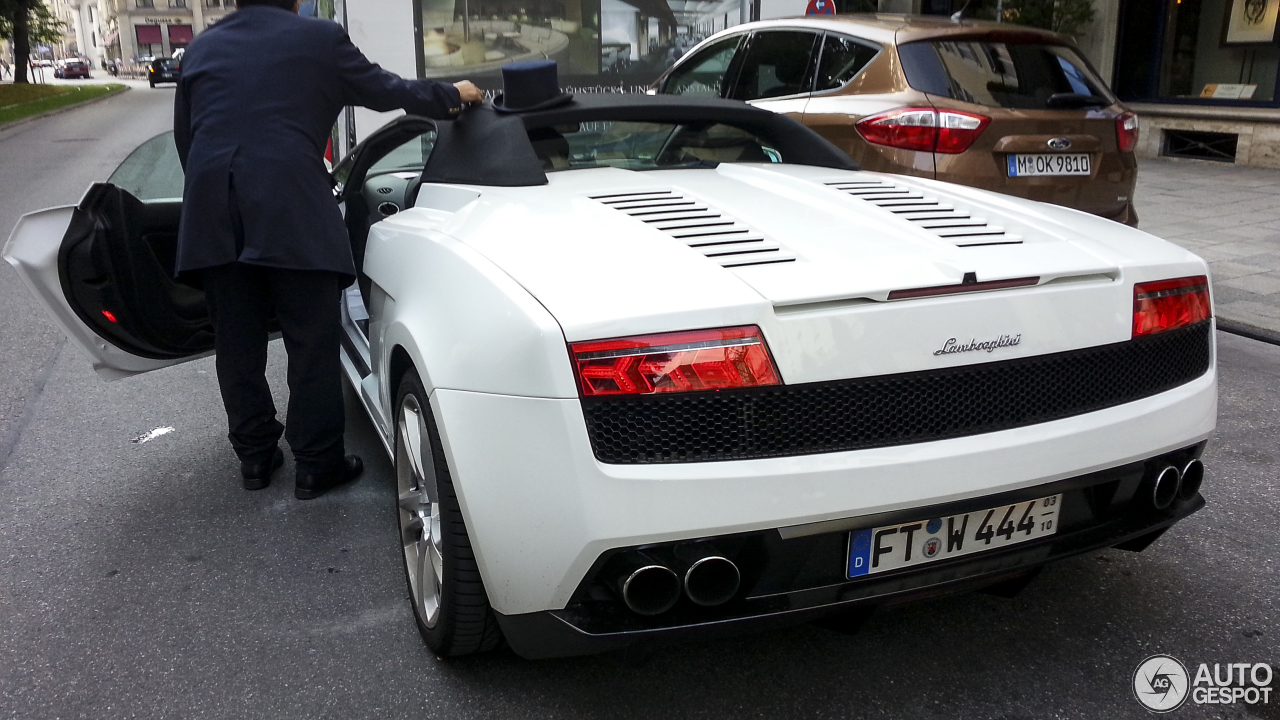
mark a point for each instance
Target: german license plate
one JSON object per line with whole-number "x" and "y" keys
{"x": 1049, "y": 164}
{"x": 893, "y": 547}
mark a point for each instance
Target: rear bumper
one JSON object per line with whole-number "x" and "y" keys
{"x": 578, "y": 630}
{"x": 542, "y": 510}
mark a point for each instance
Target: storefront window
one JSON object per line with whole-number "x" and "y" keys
{"x": 600, "y": 45}
{"x": 1199, "y": 51}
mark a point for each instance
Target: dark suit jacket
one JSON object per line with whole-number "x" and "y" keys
{"x": 260, "y": 92}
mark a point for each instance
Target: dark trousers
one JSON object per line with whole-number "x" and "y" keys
{"x": 242, "y": 300}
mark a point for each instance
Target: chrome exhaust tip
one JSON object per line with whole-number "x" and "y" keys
{"x": 1165, "y": 487}
{"x": 1192, "y": 478}
{"x": 712, "y": 580}
{"x": 651, "y": 589}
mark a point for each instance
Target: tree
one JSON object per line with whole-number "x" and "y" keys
{"x": 25, "y": 21}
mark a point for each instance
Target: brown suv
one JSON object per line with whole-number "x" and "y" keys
{"x": 994, "y": 106}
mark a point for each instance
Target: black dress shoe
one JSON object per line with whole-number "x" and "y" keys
{"x": 257, "y": 475}
{"x": 316, "y": 484}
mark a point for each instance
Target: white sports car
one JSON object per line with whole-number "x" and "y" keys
{"x": 653, "y": 366}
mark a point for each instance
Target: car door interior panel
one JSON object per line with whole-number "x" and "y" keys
{"x": 116, "y": 267}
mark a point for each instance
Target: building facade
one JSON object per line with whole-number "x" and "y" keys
{"x": 1203, "y": 75}
{"x": 84, "y": 29}
{"x": 156, "y": 28}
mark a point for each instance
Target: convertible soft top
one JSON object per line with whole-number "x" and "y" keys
{"x": 485, "y": 147}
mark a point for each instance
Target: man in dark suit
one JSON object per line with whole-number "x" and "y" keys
{"x": 259, "y": 94}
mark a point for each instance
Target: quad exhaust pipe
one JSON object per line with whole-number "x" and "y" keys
{"x": 712, "y": 580}
{"x": 1165, "y": 488}
{"x": 650, "y": 587}
{"x": 1192, "y": 478}
{"x": 1172, "y": 483}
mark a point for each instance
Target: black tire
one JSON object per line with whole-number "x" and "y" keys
{"x": 463, "y": 623}
{"x": 153, "y": 85}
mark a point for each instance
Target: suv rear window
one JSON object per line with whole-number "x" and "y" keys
{"x": 1007, "y": 74}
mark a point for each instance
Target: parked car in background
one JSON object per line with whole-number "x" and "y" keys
{"x": 69, "y": 69}
{"x": 1015, "y": 110}
{"x": 163, "y": 70}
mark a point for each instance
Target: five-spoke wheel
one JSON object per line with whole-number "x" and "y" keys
{"x": 449, "y": 600}
{"x": 419, "y": 510}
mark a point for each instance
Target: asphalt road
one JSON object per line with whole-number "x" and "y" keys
{"x": 44, "y": 163}
{"x": 137, "y": 580}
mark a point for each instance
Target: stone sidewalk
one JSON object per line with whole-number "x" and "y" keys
{"x": 1230, "y": 216}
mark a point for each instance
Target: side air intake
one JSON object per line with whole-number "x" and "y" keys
{"x": 711, "y": 232}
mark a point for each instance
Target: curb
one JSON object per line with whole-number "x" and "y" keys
{"x": 57, "y": 111}
{"x": 1253, "y": 332}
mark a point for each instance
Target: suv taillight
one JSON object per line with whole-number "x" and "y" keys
{"x": 674, "y": 362}
{"x": 1168, "y": 304}
{"x": 1127, "y": 132}
{"x": 924, "y": 129}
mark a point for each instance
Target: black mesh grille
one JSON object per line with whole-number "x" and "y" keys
{"x": 891, "y": 409}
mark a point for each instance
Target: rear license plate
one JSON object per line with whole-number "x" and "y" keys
{"x": 1049, "y": 164}
{"x": 892, "y": 547}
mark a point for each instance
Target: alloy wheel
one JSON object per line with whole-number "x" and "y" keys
{"x": 419, "y": 503}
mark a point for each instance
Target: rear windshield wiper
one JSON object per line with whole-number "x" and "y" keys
{"x": 1071, "y": 101}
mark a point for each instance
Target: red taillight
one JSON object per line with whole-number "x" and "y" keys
{"x": 909, "y": 129}
{"x": 924, "y": 129}
{"x": 674, "y": 362}
{"x": 1127, "y": 132}
{"x": 1167, "y": 304}
{"x": 957, "y": 130}
{"x": 110, "y": 316}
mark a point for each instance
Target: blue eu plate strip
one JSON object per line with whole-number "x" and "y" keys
{"x": 859, "y": 552}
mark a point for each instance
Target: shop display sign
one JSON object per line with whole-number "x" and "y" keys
{"x": 1228, "y": 91}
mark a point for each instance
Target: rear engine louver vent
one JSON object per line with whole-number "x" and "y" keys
{"x": 707, "y": 230}
{"x": 942, "y": 219}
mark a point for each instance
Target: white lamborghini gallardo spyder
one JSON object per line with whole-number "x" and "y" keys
{"x": 652, "y": 366}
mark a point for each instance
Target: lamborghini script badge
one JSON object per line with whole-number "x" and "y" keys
{"x": 952, "y": 345}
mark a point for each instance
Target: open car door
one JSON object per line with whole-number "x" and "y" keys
{"x": 104, "y": 269}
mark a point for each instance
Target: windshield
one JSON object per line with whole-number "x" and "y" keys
{"x": 412, "y": 155}
{"x": 646, "y": 146}
{"x": 1021, "y": 75}
{"x": 167, "y": 64}
{"x": 152, "y": 171}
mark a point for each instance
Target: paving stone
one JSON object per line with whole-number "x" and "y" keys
{"x": 1260, "y": 309}
{"x": 1242, "y": 248}
{"x": 1252, "y": 232}
{"x": 1230, "y": 216}
{"x": 1227, "y": 270}
{"x": 1211, "y": 252}
{"x": 1260, "y": 284}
